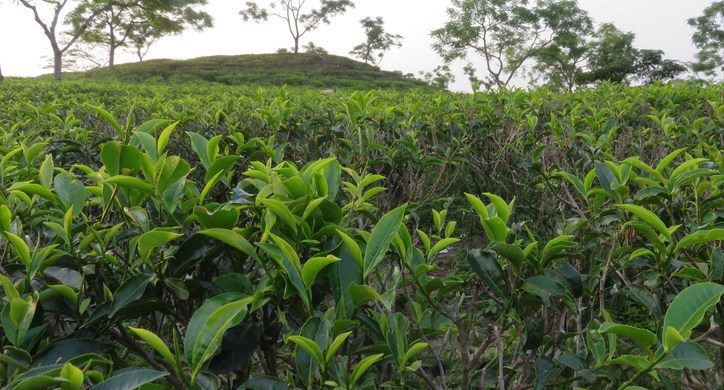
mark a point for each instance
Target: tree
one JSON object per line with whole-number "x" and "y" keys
{"x": 142, "y": 38}
{"x": 505, "y": 33}
{"x": 378, "y": 42}
{"x": 50, "y": 28}
{"x": 83, "y": 56}
{"x": 561, "y": 63}
{"x": 708, "y": 37}
{"x": 440, "y": 77}
{"x": 2, "y": 78}
{"x": 612, "y": 56}
{"x": 651, "y": 66}
{"x": 141, "y": 21}
{"x": 311, "y": 48}
{"x": 299, "y": 19}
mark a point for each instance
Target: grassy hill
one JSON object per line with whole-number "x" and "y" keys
{"x": 310, "y": 70}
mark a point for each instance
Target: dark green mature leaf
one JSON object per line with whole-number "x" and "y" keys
{"x": 510, "y": 252}
{"x": 380, "y": 239}
{"x": 686, "y": 355}
{"x": 544, "y": 287}
{"x": 543, "y": 371}
{"x": 130, "y": 379}
{"x": 66, "y": 276}
{"x": 487, "y": 268}
{"x": 237, "y": 347}
{"x": 689, "y": 306}
{"x": 264, "y": 383}
{"x": 567, "y": 276}
{"x": 70, "y": 191}
{"x": 608, "y": 180}
{"x": 192, "y": 251}
{"x": 316, "y": 330}
{"x": 341, "y": 276}
{"x": 64, "y": 350}
{"x": 130, "y": 291}
{"x": 643, "y": 296}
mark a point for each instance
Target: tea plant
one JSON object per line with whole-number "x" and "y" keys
{"x": 289, "y": 239}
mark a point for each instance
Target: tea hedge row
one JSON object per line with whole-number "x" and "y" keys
{"x": 290, "y": 239}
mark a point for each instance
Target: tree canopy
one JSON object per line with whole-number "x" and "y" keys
{"x": 708, "y": 37}
{"x": 299, "y": 16}
{"x": 379, "y": 41}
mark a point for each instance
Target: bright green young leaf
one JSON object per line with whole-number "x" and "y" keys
{"x": 20, "y": 247}
{"x": 380, "y": 239}
{"x": 207, "y": 326}
{"x": 313, "y": 266}
{"x": 149, "y": 241}
{"x": 156, "y": 343}
{"x": 643, "y": 338}
{"x": 352, "y": 247}
{"x": 700, "y": 237}
{"x": 648, "y": 217}
{"x": 310, "y": 346}
{"x": 132, "y": 183}
{"x": 501, "y": 207}
{"x": 336, "y": 344}
{"x": 671, "y": 338}
{"x": 362, "y": 294}
{"x": 414, "y": 350}
{"x": 637, "y": 362}
{"x": 46, "y": 172}
{"x": 73, "y": 375}
{"x": 233, "y": 239}
{"x": 362, "y": 367}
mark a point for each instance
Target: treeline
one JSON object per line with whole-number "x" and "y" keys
{"x": 546, "y": 42}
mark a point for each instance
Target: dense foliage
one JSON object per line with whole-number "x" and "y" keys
{"x": 207, "y": 237}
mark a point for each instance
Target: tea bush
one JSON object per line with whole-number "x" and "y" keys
{"x": 217, "y": 237}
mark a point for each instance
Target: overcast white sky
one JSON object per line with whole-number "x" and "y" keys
{"x": 658, "y": 24}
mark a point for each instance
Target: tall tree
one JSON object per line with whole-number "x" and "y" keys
{"x": 561, "y": 63}
{"x": 297, "y": 14}
{"x": 142, "y": 38}
{"x": 505, "y": 33}
{"x": 612, "y": 56}
{"x": 378, "y": 42}
{"x": 120, "y": 21}
{"x": 440, "y": 77}
{"x": 651, "y": 66}
{"x": 51, "y": 27}
{"x": 708, "y": 37}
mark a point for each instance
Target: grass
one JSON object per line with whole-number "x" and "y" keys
{"x": 308, "y": 70}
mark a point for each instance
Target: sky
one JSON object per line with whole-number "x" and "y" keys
{"x": 658, "y": 24}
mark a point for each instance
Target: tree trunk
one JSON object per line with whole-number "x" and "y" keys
{"x": 57, "y": 65}
{"x": 112, "y": 55}
{"x": 112, "y": 48}
{"x": 2, "y": 78}
{"x": 296, "y": 45}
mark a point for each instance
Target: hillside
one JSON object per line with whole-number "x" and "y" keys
{"x": 311, "y": 70}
